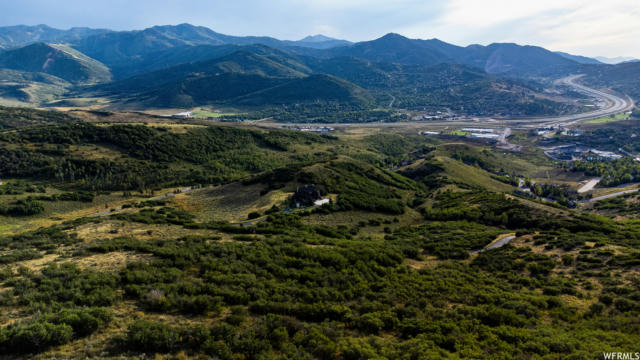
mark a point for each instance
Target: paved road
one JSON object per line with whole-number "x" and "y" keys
{"x": 615, "y": 105}
{"x": 608, "y": 196}
{"x": 498, "y": 244}
{"x": 505, "y": 134}
{"x": 589, "y": 185}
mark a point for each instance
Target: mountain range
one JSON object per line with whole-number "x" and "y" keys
{"x": 616, "y": 60}
{"x": 21, "y": 35}
{"x": 58, "y": 60}
{"x": 186, "y": 65}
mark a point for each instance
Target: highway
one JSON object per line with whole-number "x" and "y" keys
{"x": 614, "y": 105}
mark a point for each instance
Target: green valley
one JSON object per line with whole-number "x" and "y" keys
{"x": 177, "y": 193}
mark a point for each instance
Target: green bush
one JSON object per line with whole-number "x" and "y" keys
{"x": 34, "y": 337}
{"x": 151, "y": 336}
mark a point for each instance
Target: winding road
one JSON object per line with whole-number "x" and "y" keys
{"x": 614, "y": 105}
{"x": 608, "y": 196}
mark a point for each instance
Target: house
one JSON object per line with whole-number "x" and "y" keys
{"x": 575, "y": 132}
{"x": 321, "y": 202}
{"x": 183, "y": 115}
{"x": 597, "y": 155}
{"x": 306, "y": 195}
{"x": 485, "y": 136}
{"x": 478, "y": 130}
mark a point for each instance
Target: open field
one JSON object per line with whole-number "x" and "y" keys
{"x": 608, "y": 119}
{"x": 205, "y": 114}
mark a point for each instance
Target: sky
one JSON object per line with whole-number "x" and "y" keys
{"x": 584, "y": 27}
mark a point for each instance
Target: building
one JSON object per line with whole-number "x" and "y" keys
{"x": 594, "y": 155}
{"x": 313, "y": 129}
{"x": 429, "y": 133}
{"x": 478, "y": 130}
{"x": 574, "y": 132}
{"x": 321, "y": 202}
{"x": 306, "y": 195}
{"x": 183, "y": 115}
{"x": 484, "y": 136}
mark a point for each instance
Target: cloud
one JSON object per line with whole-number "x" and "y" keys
{"x": 584, "y": 27}
{"x": 587, "y": 27}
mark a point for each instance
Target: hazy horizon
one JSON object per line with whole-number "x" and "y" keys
{"x": 578, "y": 27}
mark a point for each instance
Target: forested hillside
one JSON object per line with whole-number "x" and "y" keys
{"x": 621, "y": 77}
{"x": 60, "y": 61}
{"x": 183, "y": 240}
{"x": 186, "y": 66}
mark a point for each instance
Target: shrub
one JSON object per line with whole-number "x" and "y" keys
{"x": 34, "y": 337}
{"x": 623, "y": 305}
{"x": 84, "y": 321}
{"x": 151, "y": 336}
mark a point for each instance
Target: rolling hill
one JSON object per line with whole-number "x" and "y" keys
{"x": 206, "y": 89}
{"x": 508, "y": 59}
{"x": 579, "y": 59}
{"x": 459, "y": 87}
{"x": 394, "y": 48}
{"x": 319, "y": 42}
{"x": 116, "y": 48}
{"x": 186, "y": 65}
{"x": 254, "y": 75}
{"x": 260, "y": 62}
{"x": 615, "y": 60}
{"x": 164, "y": 59}
{"x": 58, "y": 60}
{"x": 398, "y": 264}
{"x": 23, "y": 88}
{"x": 21, "y": 35}
{"x": 622, "y": 77}
{"x": 314, "y": 88}
{"x": 124, "y": 49}
{"x": 517, "y": 60}
{"x": 14, "y": 117}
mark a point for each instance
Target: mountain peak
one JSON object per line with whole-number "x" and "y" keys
{"x": 615, "y": 60}
{"x": 317, "y": 38}
{"x": 393, "y": 36}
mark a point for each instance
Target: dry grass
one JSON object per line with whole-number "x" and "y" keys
{"x": 471, "y": 175}
{"x": 91, "y": 152}
{"x": 353, "y": 217}
{"x": 37, "y": 264}
{"x": 110, "y": 229}
{"x": 110, "y": 261}
{"x": 537, "y": 205}
{"x": 232, "y": 202}
{"x": 429, "y": 262}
